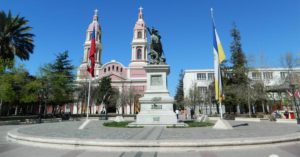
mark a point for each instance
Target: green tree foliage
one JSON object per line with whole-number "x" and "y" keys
{"x": 105, "y": 91}
{"x": 7, "y": 93}
{"x": 236, "y": 83}
{"x": 238, "y": 59}
{"x": 179, "y": 97}
{"x": 17, "y": 88}
{"x": 31, "y": 89}
{"x": 58, "y": 80}
{"x": 15, "y": 37}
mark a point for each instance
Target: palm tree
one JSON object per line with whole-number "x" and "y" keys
{"x": 15, "y": 37}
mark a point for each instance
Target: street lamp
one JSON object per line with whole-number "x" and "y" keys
{"x": 292, "y": 86}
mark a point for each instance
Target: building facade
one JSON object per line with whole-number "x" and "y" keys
{"x": 203, "y": 78}
{"x": 130, "y": 79}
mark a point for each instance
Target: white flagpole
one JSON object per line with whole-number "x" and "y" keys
{"x": 219, "y": 70}
{"x": 88, "y": 105}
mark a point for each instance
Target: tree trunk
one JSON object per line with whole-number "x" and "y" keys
{"x": 16, "y": 110}
{"x": 40, "y": 106}
{"x": 263, "y": 107}
{"x": 1, "y": 107}
{"x": 8, "y": 109}
{"x": 45, "y": 110}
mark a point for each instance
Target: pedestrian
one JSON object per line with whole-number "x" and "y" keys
{"x": 177, "y": 113}
{"x": 286, "y": 114}
{"x": 192, "y": 113}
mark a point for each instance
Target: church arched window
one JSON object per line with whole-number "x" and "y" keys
{"x": 139, "y": 53}
{"x": 139, "y": 35}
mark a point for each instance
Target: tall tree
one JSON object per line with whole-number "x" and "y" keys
{"x": 238, "y": 58}
{"x": 15, "y": 37}
{"x": 179, "y": 97}
{"x": 237, "y": 83}
{"x": 105, "y": 91}
{"x": 59, "y": 79}
{"x": 194, "y": 98}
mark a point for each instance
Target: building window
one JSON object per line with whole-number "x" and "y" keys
{"x": 121, "y": 69}
{"x": 283, "y": 75}
{"x": 117, "y": 68}
{"x": 201, "y": 76}
{"x": 210, "y": 76}
{"x": 268, "y": 75}
{"x": 202, "y": 90}
{"x": 108, "y": 68}
{"x": 256, "y": 75}
{"x": 113, "y": 67}
{"x": 139, "y": 35}
{"x": 139, "y": 54}
{"x": 105, "y": 70}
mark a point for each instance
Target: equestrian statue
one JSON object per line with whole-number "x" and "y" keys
{"x": 156, "y": 51}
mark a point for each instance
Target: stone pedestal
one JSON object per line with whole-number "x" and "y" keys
{"x": 156, "y": 104}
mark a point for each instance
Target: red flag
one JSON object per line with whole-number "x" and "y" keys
{"x": 91, "y": 62}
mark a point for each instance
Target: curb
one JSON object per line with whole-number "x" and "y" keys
{"x": 14, "y": 135}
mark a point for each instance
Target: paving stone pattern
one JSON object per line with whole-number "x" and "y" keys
{"x": 95, "y": 130}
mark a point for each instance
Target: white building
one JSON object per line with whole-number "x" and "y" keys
{"x": 202, "y": 78}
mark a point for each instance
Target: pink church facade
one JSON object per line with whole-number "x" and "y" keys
{"x": 131, "y": 78}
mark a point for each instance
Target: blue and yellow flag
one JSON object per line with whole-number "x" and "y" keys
{"x": 219, "y": 57}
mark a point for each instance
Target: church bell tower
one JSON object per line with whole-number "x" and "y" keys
{"x": 82, "y": 72}
{"x": 139, "y": 42}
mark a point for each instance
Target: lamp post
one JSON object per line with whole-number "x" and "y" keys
{"x": 292, "y": 86}
{"x": 40, "y": 100}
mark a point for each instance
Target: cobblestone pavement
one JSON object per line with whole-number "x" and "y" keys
{"x": 8, "y": 149}
{"x": 95, "y": 130}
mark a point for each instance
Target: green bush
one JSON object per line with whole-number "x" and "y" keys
{"x": 120, "y": 124}
{"x": 198, "y": 124}
{"x": 116, "y": 124}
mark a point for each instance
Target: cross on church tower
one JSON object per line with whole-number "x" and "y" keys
{"x": 96, "y": 12}
{"x": 140, "y": 13}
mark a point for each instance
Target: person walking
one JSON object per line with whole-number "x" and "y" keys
{"x": 177, "y": 113}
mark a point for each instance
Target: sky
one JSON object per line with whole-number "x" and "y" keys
{"x": 268, "y": 29}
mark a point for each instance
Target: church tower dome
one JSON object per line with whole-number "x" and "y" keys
{"x": 87, "y": 44}
{"x": 94, "y": 25}
{"x": 139, "y": 42}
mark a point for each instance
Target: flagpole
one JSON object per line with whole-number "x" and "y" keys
{"x": 220, "y": 104}
{"x": 89, "y": 95}
{"x": 219, "y": 71}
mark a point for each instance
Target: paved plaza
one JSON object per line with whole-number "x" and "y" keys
{"x": 95, "y": 131}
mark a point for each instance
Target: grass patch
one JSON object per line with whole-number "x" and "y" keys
{"x": 192, "y": 124}
{"x": 120, "y": 124}
{"x": 198, "y": 124}
{"x": 174, "y": 126}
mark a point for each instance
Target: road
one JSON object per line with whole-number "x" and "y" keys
{"x": 10, "y": 149}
